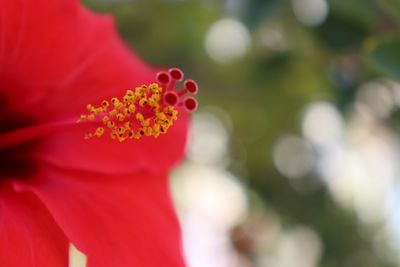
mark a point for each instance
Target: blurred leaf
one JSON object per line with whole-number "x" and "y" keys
{"x": 339, "y": 33}
{"x": 391, "y": 6}
{"x": 259, "y": 10}
{"x": 385, "y": 57}
{"x": 360, "y": 11}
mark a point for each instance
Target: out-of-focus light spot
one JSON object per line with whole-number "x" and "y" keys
{"x": 227, "y": 40}
{"x": 293, "y": 157}
{"x": 359, "y": 163}
{"x": 333, "y": 168}
{"x": 310, "y": 12}
{"x": 394, "y": 222}
{"x": 208, "y": 142}
{"x": 322, "y": 124}
{"x": 377, "y": 98}
{"x": 211, "y": 202}
{"x": 272, "y": 35}
{"x": 267, "y": 230}
{"x": 394, "y": 87}
{"x": 374, "y": 190}
{"x": 387, "y": 240}
{"x": 212, "y": 193}
{"x": 300, "y": 247}
{"x": 360, "y": 124}
{"x": 76, "y": 258}
{"x": 360, "y": 170}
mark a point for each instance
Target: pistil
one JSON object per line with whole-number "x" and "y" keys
{"x": 147, "y": 110}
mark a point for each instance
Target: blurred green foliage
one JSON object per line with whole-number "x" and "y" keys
{"x": 265, "y": 92}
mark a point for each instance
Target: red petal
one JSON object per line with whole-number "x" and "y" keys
{"x": 116, "y": 221}
{"x": 28, "y": 234}
{"x": 56, "y": 55}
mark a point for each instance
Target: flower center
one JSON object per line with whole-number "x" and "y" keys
{"x": 148, "y": 110}
{"x": 16, "y": 161}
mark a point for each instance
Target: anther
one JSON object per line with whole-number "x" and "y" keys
{"x": 89, "y": 107}
{"x": 105, "y": 103}
{"x": 143, "y": 102}
{"x": 128, "y": 125}
{"x": 120, "y": 129}
{"x": 110, "y": 124}
{"x": 105, "y": 119}
{"x": 145, "y": 111}
{"x": 99, "y": 131}
{"x": 139, "y": 117}
{"x": 145, "y": 122}
{"x": 141, "y": 131}
{"x": 82, "y": 118}
{"x": 120, "y": 117}
{"x": 132, "y": 108}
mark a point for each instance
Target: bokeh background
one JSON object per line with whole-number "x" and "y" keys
{"x": 293, "y": 158}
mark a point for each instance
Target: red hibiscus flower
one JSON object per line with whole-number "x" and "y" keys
{"x": 109, "y": 198}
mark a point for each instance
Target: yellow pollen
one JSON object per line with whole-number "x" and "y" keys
{"x": 139, "y": 117}
{"x": 132, "y": 108}
{"x": 89, "y": 107}
{"x": 146, "y": 122}
{"x": 128, "y": 125}
{"x": 120, "y": 117}
{"x": 143, "y": 102}
{"x": 99, "y": 131}
{"x": 105, "y": 119}
{"x": 148, "y": 131}
{"x": 110, "y": 124}
{"x": 121, "y": 130}
{"x": 136, "y": 114}
{"x": 105, "y": 104}
{"x": 81, "y": 118}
